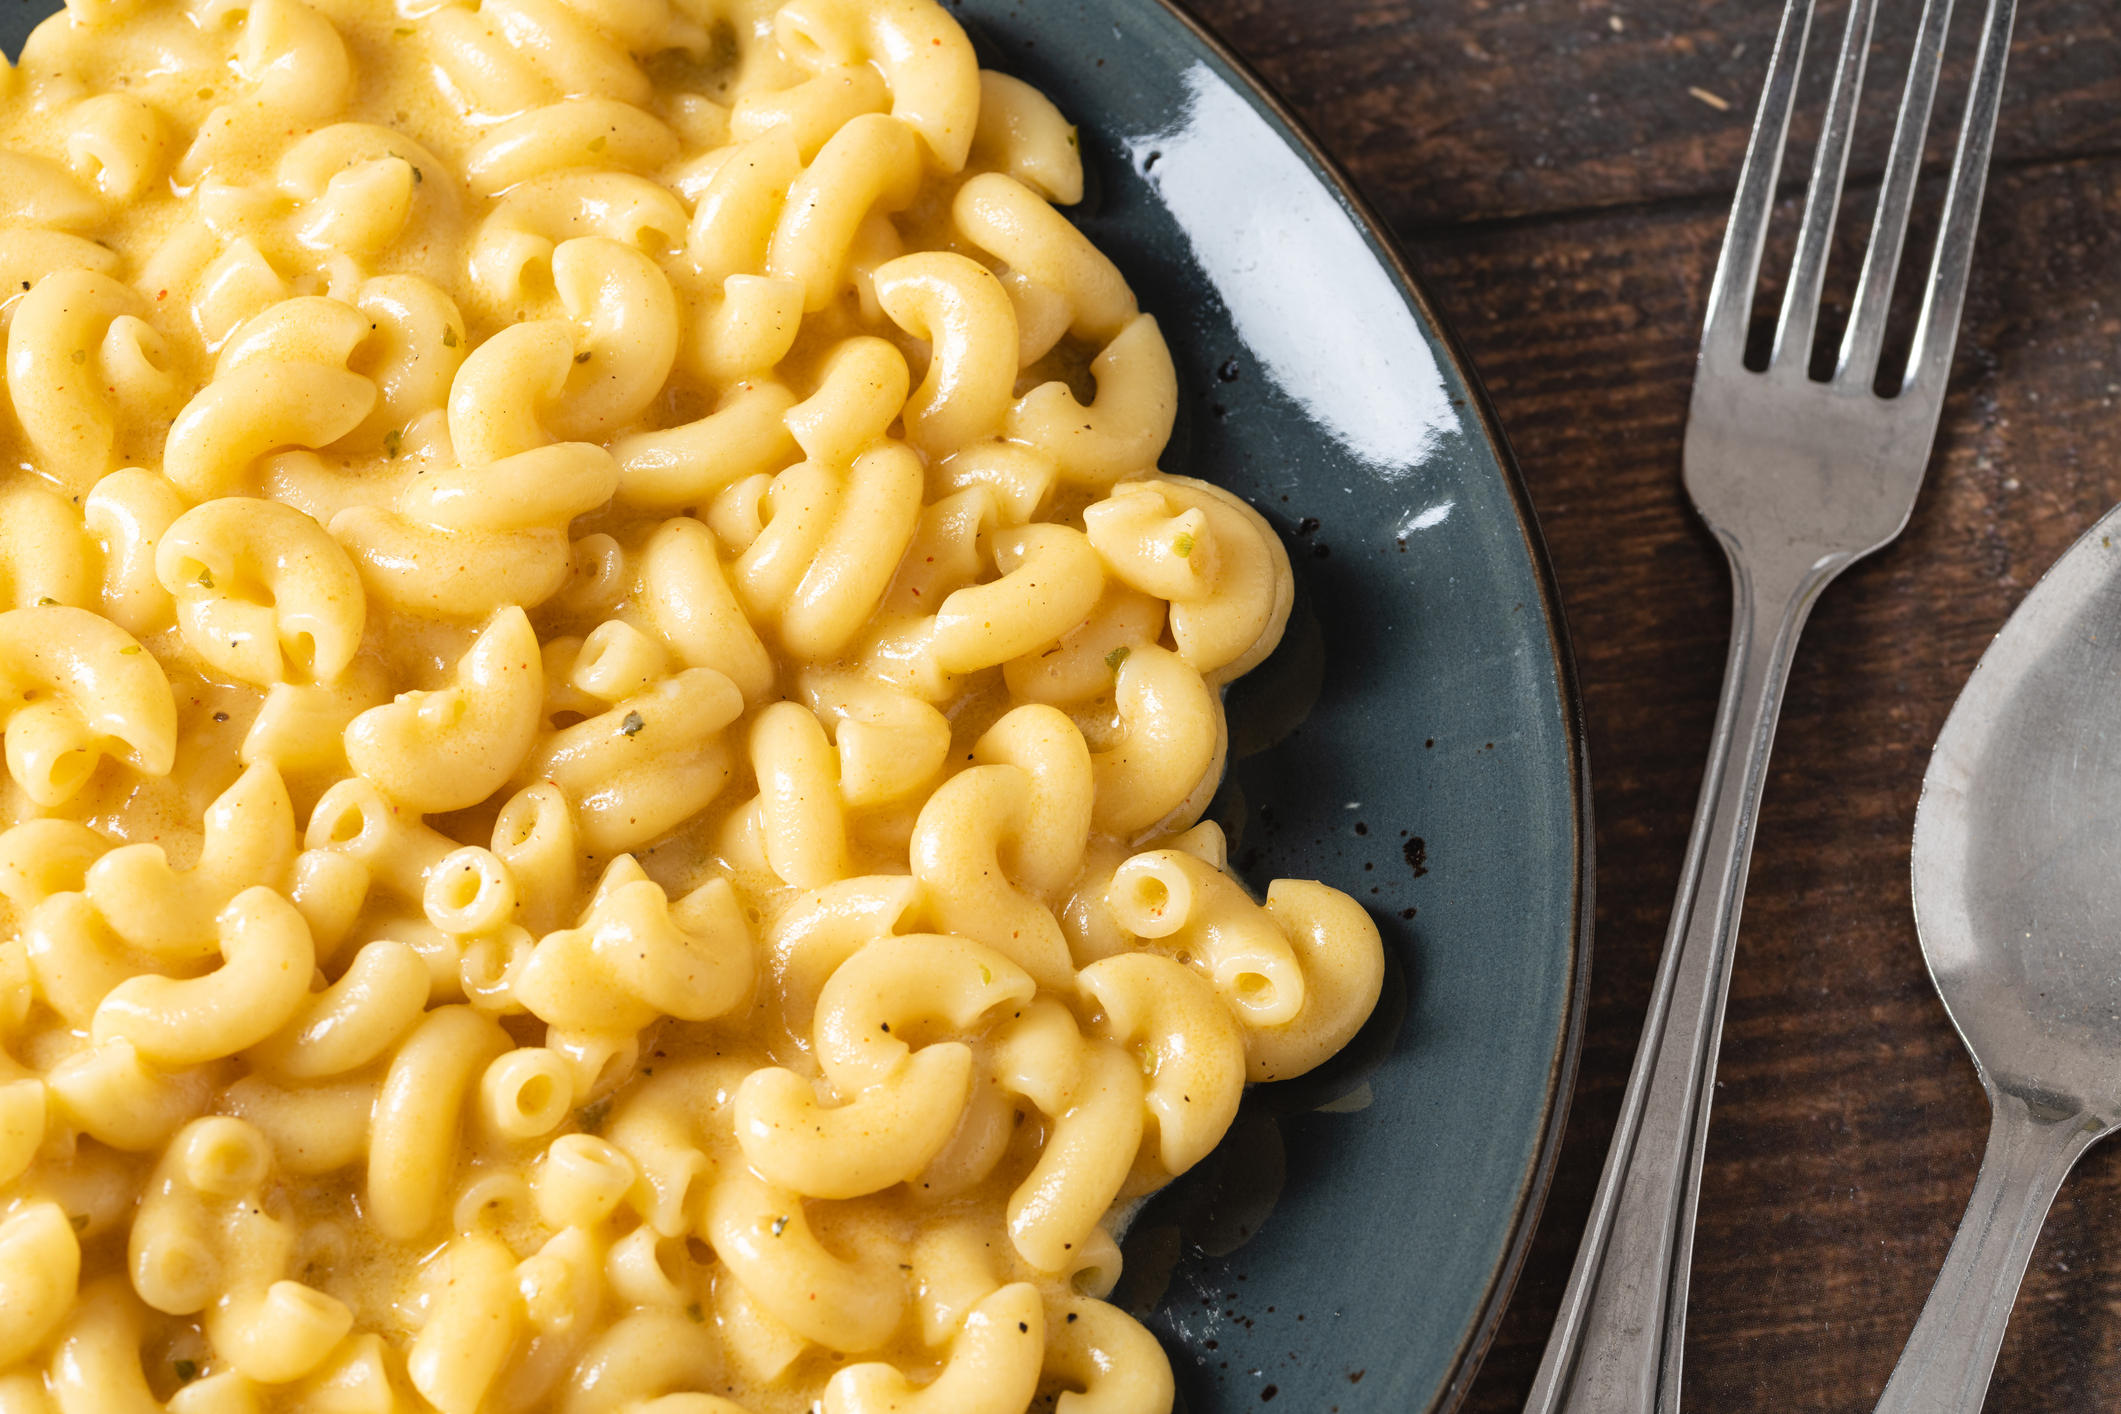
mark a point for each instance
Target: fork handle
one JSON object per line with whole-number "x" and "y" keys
{"x": 1946, "y": 1366}
{"x": 1617, "y": 1342}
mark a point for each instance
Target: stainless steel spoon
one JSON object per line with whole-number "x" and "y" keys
{"x": 2017, "y": 886}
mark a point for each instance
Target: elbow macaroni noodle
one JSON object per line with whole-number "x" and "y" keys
{"x": 604, "y": 727}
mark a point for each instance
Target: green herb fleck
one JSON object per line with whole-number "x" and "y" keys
{"x": 1116, "y": 657}
{"x": 402, "y": 30}
{"x": 596, "y": 144}
{"x": 417, "y": 176}
{"x": 632, "y": 724}
{"x": 393, "y": 443}
{"x": 206, "y": 579}
{"x": 1183, "y": 547}
{"x": 591, "y": 1116}
{"x": 780, "y": 1225}
{"x": 130, "y": 649}
{"x": 986, "y": 977}
{"x": 449, "y": 337}
{"x": 699, "y": 1317}
{"x": 80, "y": 355}
{"x": 44, "y": 599}
{"x": 79, "y": 1221}
{"x": 582, "y": 357}
{"x": 187, "y": 1371}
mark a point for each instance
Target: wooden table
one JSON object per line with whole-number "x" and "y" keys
{"x": 1559, "y": 172}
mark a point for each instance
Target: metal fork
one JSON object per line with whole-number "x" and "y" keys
{"x": 1798, "y": 479}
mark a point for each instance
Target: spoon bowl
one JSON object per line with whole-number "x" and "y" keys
{"x": 2017, "y": 892}
{"x": 2017, "y": 859}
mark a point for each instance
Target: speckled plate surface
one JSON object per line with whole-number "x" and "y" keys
{"x": 1416, "y": 741}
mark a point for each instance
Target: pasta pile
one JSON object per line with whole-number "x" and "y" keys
{"x": 605, "y": 711}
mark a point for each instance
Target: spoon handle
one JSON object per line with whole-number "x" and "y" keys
{"x": 1946, "y": 1366}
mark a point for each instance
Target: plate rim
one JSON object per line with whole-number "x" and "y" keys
{"x": 1533, "y": 1191}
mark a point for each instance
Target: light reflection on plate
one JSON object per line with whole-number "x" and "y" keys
{"x": 1373, "y": 384}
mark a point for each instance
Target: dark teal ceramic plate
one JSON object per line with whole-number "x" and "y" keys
{"x": 1417, "y": 740}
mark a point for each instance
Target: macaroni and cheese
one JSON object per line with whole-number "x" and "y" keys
{"x": 606, "y": 715}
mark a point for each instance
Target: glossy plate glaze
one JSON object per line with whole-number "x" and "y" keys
{"x": 1415, "y": 741}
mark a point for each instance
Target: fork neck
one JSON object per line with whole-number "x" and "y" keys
{"x": 1773, "y": 588}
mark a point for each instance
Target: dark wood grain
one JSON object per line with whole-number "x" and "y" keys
{"x": 1456, "y": 110}
{"x": 1570, "y": 241}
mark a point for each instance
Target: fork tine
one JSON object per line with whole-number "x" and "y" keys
{"x": 1896, "y": 195}
{"x": 1938, "y": 329}
{"x": 1738, "y": 268}
{"x": 1822, "y": 199}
